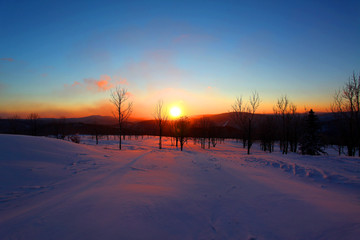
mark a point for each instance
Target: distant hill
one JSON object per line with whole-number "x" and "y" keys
{"x": 222, "y": 124}
{"x": 220, "y": 120}
{"x": 93, "y": 119}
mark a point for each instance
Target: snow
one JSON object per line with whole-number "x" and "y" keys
{"x": 54, "y": 189}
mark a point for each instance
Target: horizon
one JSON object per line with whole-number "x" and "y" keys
{"x": 199, "y": 56}
{"x": 134, "y": 119}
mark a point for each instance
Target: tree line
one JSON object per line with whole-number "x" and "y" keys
{"x": 292, "y": 131}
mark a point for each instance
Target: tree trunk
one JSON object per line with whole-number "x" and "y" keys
{"x": 160, "y": 133}
{"x": 249, "y": 138}
{"x": 119, "y": 138}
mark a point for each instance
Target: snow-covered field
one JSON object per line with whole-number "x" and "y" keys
{"x": 53, "y": 189}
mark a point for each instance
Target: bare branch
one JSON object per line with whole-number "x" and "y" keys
{"x": 161, "y": 118}
{"x": 254, "y": 103}
{"x": 118, "y": 98}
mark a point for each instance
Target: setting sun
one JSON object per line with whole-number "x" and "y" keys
{"x": 175, "y": 112}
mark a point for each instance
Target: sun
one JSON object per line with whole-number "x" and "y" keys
{"x": 175, "y": 112}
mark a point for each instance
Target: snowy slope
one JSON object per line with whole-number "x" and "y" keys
{"x": 52, "y": 189}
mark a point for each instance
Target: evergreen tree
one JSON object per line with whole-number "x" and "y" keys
{"x": 311, "y": 143}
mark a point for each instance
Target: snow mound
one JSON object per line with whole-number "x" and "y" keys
{"x": 33, "y": 165}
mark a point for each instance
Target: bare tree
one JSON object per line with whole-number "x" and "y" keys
{"x": 14, "y": 123}
{"x": 346, "y": 106}
{"x": 173, "y": 132}
{"x": 239, "y": 118}
{"x": 205, "y": 132}
{"x": 206, "y": 126}
{"x": 96, "y": 130}
{"x": 282, "y": 109}
{"x": 267, "y": 134}
{"x": 243, "y": 115}
{"x": 254, "y": 103}
{"x": 62, "y": 127}
{"x": 59, "y": 127}
{"x": 33, "y": 119}
{"x": 294, "y": 127}
{"x": 119, "y": 97}
{"x": 182, "y": 127}
{"x": 161, "y": 118}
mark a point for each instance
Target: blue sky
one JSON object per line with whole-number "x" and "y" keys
{"x": 62, "y": 58}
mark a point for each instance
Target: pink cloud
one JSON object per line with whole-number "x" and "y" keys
{"x": 75, "y": 84}
{"x": 7, "y": 59}
{"x": 104, "y": 83}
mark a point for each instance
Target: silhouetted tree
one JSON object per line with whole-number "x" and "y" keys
{"x": 14, "y": 123}
{"x": 311, "y": 143}
{"x": 206, "y": 127}
{"x": 243, "y": 115}
{"x": 239, "y": 118}
{"x": 267, "y": 134}
{"x": 338, "y": 133}
{"x": 346, "y": 107}
{"x": 285, "y": 112}
{"x": 294, "y": 126}
{"x": 254, "y": 103}
{"x": 182, "y": 127}
{"x": 60, "y": 128}
{"x": 161, "y": 118}
{"x": 33, "y": 119}
{"x": 174, "y": 132}
{"x": 119, "y": 97}
{"x": 96, "y": 131}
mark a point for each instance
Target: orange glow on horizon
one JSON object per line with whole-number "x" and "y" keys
{"x": 106, "y": 110}
{"x": 190, "y": 105}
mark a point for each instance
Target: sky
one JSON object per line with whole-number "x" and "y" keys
{"x": 63, "y": 58}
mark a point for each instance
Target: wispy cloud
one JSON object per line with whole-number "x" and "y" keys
{"x": 98, "y": 85}
{"x": 93, "y": 85}
{"x": 7, "y": 59}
